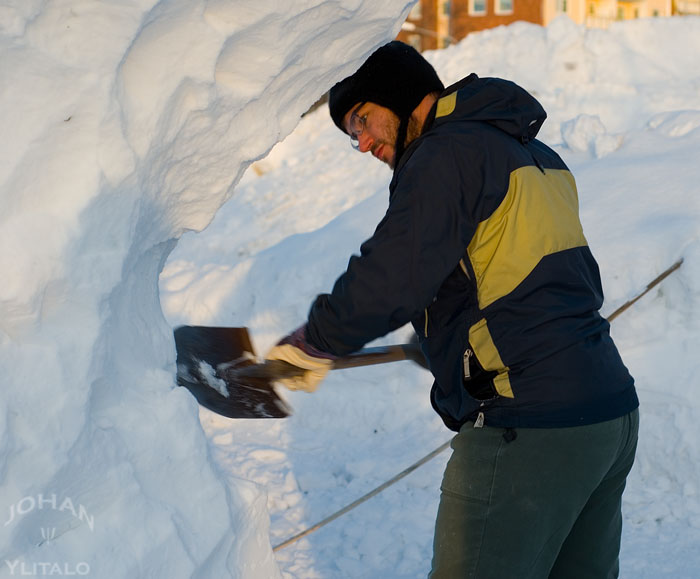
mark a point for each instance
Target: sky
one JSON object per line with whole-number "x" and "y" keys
{"x": 164, "y": 177}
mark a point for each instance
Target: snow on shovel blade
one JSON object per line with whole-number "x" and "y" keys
{"x": 205, "y": 358}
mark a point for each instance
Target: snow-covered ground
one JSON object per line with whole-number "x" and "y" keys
{"x": 127, "y": 123}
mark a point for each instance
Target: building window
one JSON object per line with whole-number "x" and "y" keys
{"x": 477, "y": 7}
{"x": 504, "y": 6}
{"x": 446, "y": 9}
{"x": 416, "y": 12}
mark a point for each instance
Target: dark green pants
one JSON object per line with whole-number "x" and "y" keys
{"x": 546, "y": 504}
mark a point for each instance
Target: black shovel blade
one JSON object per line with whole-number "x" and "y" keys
{"x": 203, "y": 356}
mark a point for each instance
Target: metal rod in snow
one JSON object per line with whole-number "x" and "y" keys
{"x": 364, "y": 498}
{"x": 656, "y": 281}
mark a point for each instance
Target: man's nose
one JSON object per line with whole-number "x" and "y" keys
{"x": 364, "y": 142}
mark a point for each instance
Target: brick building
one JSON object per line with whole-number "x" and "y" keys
{"x": 435, "y": 24}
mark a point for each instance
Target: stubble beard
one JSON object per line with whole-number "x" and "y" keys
{"x": 413, "y": 131}
{"x": 389, "y": 138}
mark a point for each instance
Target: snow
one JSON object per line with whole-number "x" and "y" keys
{"x": 127, "y": 124}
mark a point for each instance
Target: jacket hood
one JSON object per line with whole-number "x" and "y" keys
{"x": 500, "y": 103}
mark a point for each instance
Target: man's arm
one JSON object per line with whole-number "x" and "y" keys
{"x": 418, "y": 243}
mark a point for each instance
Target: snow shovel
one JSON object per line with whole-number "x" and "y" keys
{"x": 219, "y": 367}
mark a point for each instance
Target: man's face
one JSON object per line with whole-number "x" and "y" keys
{"x": 375, "y": 129}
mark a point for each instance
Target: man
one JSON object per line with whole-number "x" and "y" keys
{"x": 482, "y": 250}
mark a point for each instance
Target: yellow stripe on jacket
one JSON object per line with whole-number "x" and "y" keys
{"x": 537, "y": 217}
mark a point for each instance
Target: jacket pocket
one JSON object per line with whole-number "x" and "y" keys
{"x": 489, "y": 359}
{"x": 478, "y": 383}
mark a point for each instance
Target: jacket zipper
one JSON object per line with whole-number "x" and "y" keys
{"x": 465, "y": 363}
{"x": 468, "y": 353}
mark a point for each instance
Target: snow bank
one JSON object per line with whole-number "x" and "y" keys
{"x": 621, "y": 75}
{"x": 124, "y": 125}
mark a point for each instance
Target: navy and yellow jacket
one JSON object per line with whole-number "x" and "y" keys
{"x": 481, "y": 248}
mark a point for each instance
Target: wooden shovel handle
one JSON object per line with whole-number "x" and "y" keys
{"x": 380, "y": 355}
{"x": 277, "y": 369}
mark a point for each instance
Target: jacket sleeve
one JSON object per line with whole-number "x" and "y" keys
{"x": 420, "y": 240}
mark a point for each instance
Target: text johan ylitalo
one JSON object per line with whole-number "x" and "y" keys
{"x": 49, "y": 502}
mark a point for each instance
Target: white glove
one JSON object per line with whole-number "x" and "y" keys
{"x": 295, "y": 350}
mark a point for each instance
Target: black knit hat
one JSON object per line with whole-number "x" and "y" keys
{"x": 395, "y": 76}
